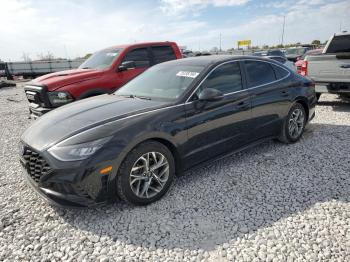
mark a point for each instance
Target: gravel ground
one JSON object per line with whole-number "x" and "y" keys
{"x": 272, "y": 203}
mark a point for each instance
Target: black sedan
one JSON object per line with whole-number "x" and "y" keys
{"x": 131, "y": 144}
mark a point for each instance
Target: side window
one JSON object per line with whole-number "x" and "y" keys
{"x": 226, "y": 78}
{"x": 139, "y": 56}
{"x": 259, "y": 73}
{"x": 280, "y": 72}
{"x": 163, "y": 54}
{"x": 280, "y": 59}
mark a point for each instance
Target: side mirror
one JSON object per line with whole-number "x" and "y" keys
{"x": 126, "y": 66}
{"x": 210, "y": 95}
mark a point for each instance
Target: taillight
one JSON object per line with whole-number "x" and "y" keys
{"x": 303, "y": 70}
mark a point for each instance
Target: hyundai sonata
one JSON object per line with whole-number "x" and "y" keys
{"x": 131, "y": 144}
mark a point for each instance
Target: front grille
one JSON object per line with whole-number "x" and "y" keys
{"x": 35, "y": 94}
{"x": 36, "y": 165}
{"x": 33, "y": 97}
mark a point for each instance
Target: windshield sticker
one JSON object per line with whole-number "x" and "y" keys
{"x": 111, "y": 54}
{"x": 187, "y": 74}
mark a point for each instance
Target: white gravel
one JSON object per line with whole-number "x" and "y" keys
{"x": 272, "y": 203}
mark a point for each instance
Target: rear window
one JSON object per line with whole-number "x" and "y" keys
{"x": 259, "y": 73}
{"x": 163, "y": 54}
{"x": 339, "y": 44}
{"x": 280, "y": 72}
{"x": 280, "y": 59}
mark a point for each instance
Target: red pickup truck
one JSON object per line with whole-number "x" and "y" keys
{"x": 104, "y": 72}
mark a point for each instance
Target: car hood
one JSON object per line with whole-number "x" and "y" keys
{"x": 56, "y": 80}
{"x": 82, "y": 115}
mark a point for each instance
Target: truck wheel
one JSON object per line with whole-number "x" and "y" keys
{"x": 146, "y": 173}
{"x": 344, "y": 97}
{"x": 293, "y": 125}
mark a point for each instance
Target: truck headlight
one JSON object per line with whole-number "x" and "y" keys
{"x": 77, "y": 152}
{"x": 59, "y": 98}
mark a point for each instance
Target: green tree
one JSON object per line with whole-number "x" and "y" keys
{"x": 316, "y": 42}
{"x": 87, "y": 56}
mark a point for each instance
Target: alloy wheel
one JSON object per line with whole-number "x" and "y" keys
{"x": 149, "y": 174}
{"x": 296, "y": 123}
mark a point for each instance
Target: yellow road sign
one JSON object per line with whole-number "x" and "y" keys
{"x": 244, "y": 42}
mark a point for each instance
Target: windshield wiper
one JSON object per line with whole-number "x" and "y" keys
{"x": 143, "y": 97}
{"x": 86, "y": 67}
{"x": 135, "y": 96}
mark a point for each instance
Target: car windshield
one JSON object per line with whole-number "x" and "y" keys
{"x": 295, "y": 51}
{"x": 165, "y": 81}
{"x": 101, "y": 59}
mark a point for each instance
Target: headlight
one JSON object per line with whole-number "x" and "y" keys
{"x": 78, "y": 151}
{"x": 59, "y": 98}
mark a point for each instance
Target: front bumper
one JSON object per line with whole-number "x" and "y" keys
{"x": 36, "y": 111}
{"x": 63, "y": 187}
{"x": 56, "y": 198}
{"x": 39, "y": 102}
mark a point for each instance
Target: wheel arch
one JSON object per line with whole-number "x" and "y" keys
{"x": 160, "y": 139}
{"x": 303, "y": 101}
{"x": 173, "y": 150}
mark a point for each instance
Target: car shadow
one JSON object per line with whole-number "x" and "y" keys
{"x": 220, "y": 202}
{"x": 338, "y": 105}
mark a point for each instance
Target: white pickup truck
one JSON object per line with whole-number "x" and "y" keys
{"x": 331, "y": 69}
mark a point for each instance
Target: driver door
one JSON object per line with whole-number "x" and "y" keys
{"x": 218, "y": 127}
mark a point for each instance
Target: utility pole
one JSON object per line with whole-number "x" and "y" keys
{"x": 65, "y": 51}
{"x": 284, "y": 23}
{"x": 220, "y": 43}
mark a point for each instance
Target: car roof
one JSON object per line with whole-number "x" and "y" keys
{"x": 141, "y": 44}
{"x": 213, "y": 59}
{"x": 342, "y": 33}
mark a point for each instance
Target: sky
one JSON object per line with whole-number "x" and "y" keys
{"x": 71, "y": 28}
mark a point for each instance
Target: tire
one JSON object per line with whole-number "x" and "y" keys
{"x": 318, "y": 95}
{"x": 143, "y": 185}
{"x": 287, "y": 136}
{"x": 344, "y": 97}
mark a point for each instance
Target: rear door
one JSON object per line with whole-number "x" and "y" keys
{"x": 162, "y": 54}
{"x": 219, "y": 126}
{"x": 141, "y": 57}
{"x": 270, "y": 96}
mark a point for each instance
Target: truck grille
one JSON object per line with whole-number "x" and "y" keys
{"x": 33, "y": 97}
{"x": 36, "y": 165}
{"x": 35, "y": 94}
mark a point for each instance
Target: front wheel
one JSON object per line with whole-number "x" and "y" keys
{"x": 146, "y": 173}
{"x": 294, "y": 124}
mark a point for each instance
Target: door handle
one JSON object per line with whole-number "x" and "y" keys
{"x": 285, "y": 93}
{"x": 243, "y": 105}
